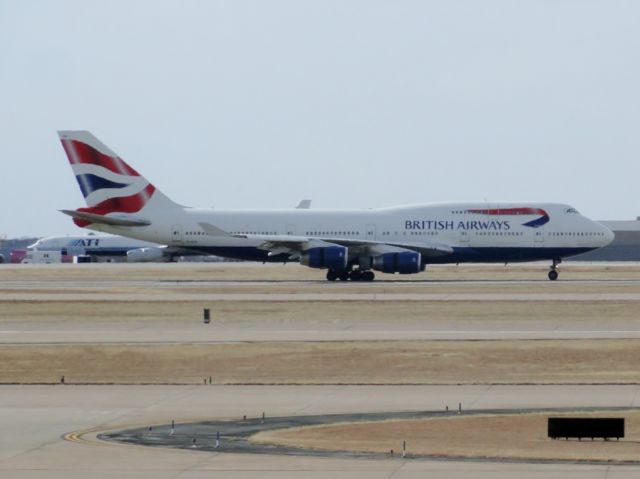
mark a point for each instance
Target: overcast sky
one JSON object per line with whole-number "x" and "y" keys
{"x": 354, "y": 104}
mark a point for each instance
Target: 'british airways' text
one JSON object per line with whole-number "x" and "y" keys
{"x": 442, "y": 225}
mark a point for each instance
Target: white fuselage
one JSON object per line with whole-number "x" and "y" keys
{"x": 89, "y": 244}
{"x": 503, "y": 237}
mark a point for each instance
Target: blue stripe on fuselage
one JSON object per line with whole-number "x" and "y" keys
{"x": 510, "y": 255}
{"x": 543, "y": 220}
{"x": 459, "y": 255}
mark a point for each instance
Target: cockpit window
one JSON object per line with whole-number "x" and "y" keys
{"x": 572, "y": 210}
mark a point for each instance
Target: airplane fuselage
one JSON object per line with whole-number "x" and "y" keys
{"x": 477, "y": 232}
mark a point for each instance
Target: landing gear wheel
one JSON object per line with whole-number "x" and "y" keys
{"x": 553, "y": 274}
{"x": 331, "y": 275}
{"x": 343, "y": 275}
{"x": 355, "y": 275}
{"x": 368, "y": 276}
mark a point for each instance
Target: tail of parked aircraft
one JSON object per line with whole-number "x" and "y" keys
{"x": 109, "y": 185}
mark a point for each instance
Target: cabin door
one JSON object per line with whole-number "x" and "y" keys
{"x": 176, "y": 233}
{"x": 370, "y": 231}
{"x": 538, "y": 235}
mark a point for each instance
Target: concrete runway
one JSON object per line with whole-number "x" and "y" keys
{"x": 40, "y": 416}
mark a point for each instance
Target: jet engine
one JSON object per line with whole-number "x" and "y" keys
{"x": 331, "y": 257}
{"x": 404, "y": 262}
{"x": 142, "y": 255}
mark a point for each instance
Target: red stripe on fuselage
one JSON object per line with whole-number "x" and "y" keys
{"x": 509, "y": 211}
{"x": 79, "y": 152}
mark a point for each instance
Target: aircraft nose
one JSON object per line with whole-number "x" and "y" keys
{"x": 608, "y": 235}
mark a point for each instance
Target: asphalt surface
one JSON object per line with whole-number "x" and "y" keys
{"x": 53, "y": 429}
{"x": 232, "y": 437}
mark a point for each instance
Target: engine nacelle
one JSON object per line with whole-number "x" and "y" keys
{"x": 405, "y": 262}
{"x": 331, "y": 257}
{"x": 142, "y": 255}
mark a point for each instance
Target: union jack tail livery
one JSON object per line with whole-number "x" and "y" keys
{"x": 109, "y": 185}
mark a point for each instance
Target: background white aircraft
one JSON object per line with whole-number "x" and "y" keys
{"x": 349, "y": 244}
{"x": 105, "y": 246}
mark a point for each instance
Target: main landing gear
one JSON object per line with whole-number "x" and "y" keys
{"x": 355, "y": 275}
{"x": 553, "y": 272}
{"x": 362, "y": 275}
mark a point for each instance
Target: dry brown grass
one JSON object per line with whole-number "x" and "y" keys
{"x": 488, "y": 436}
{"x": 359, "y": 362}
{"x": 324, "y": 313}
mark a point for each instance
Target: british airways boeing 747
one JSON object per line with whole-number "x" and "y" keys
{"x": 349, "y": 244}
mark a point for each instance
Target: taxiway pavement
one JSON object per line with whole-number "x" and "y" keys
{"x": 54, "y": 428}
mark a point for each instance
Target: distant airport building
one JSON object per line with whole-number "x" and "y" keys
{"x": 625, "y": 246}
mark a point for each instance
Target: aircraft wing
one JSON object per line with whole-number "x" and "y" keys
{"x": 370, "y": 247}
{"x": 294, "y": 246}
{"x": 274, "y": 244}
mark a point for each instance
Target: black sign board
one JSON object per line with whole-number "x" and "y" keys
{"x": 580, "y": 427}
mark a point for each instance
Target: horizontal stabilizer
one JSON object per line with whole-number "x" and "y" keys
{"x": 106, "y": 220}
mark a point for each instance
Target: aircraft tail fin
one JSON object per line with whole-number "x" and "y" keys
{"x": 107, "y": 182}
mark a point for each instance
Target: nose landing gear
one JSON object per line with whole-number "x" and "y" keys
{"x": 553, "y": 272}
